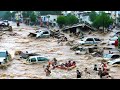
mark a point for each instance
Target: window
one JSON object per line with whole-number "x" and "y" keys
{"x": 96, "y": 39}
{"x": 117, "y": 62}
{"x": 2, "y": 54}
{"x": 89, "y": 39}
{"x": 118, "y": 33}
{"x": 115, "y": 56}
{"x": 41, "y": 59}
{"x": 33, "y": 59}
{"x": 46, "y": 32}
{"x": 107, "y": 56}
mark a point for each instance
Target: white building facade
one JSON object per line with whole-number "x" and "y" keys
{"x": 50, "y": 18}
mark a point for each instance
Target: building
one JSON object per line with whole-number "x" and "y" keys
{"x": 50, "y": 18}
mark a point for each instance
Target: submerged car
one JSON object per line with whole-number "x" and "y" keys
{"x": 113, "y": 38}
{"x": 115, "y": 34}
{"x": 4, "y": 56}
{"x": 81, "y": 50}
{"x": 110, "y": 56}
{"x": 40, "y": 34}
{"x": 89, "y": 41}
{"x": 37, "y": 59}
{"x": 113, "y": 62}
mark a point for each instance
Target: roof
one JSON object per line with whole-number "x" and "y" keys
{"x": 35, "y": 56}
{"x": 3, "y": 50}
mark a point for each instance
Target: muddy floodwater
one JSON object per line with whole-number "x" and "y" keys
{"x": 48, "y": 47}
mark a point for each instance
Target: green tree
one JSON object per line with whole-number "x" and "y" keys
{"x": 61, "y": 20}
{"x": 71, "y": 19}
{"x": 92, "y": 16}
{"x": 33, "y": 17}
{"x": 67, "y": 20}
{"x": 102, "y": 20}
{"x": 50, "y": 12}
{"x": 26, "y": 14}
{"x": 7, "y": 15}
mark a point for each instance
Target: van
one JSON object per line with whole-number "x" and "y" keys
{"x": 37, "y": 59}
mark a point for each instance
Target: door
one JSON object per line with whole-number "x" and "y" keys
{"x": 45, "y": 34}
{"x": 96, "y": 40}
{"x": 41, "y": 59}
{"x": 33, "y": 60}
{"x": 89, "y": 41}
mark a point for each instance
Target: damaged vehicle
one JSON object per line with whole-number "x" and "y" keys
{"x": 114, "y": 62}
{"x": 110, "y": 56}
{"x": 40, "y": 34}
{"x": 4, "y": 23}
{"x": 81, "y": 50}
{"x": 5, "y": 26}
{"x": 26, "y": 55}
{"x": 37, "y": 59}
{"x": 94, "y": 50}
{"x": 90, "y": 41}
{"x": 113, "y": 38}
{"x": 115, "y": 34}
{"x": 4, "y": 57}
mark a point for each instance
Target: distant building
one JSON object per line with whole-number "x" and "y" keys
{"x": 50, "y": 18}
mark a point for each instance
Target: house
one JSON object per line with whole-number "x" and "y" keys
{"x": 50, "y": 18}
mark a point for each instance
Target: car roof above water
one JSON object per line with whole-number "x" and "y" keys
{"x": 3, "y": 50}
{"x": 35, "y": 56}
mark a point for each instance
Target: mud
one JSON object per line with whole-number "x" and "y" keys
{"x": 48, "y": 47}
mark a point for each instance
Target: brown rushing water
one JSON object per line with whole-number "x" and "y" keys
{"x": 49, "y": 48}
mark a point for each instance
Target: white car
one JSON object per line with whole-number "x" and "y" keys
{"x": 3, "y": 56}
{"x": 89, "y": 41}
{"x": 5, "y": 23}
{"x": 115, "y": 34}
{"x": 113, "y": 38}
{"x": 110, "y": 56}
{"x": 40, "y": 33}
{"x": 111, "y": 42}
{"x": 116, "y": 61}
{"x": 37, "y": 59}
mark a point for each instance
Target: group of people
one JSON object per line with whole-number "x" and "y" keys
{"x": 79, "y": 74}
{"x": 68, "y": 64}
{"x": 103, "y": 70}
{"x": 53, "y": 63}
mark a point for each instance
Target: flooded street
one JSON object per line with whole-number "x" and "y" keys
{"x": 48, "y": 47}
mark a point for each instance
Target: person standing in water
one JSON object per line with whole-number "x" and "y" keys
{"x": 78, "y": 74}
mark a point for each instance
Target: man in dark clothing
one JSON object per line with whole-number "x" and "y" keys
{"x": 18, "y": 24}
{"x": 47, "y": 71}
{"x": 100, "y": 73}
{"x": 95, "y": 67}
{"x": 78, "y": 74}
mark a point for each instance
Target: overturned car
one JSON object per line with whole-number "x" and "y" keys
{"x": 40, "y": 34}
